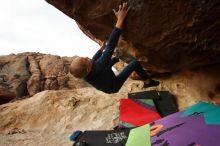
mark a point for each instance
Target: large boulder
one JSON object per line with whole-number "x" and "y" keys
{"x": 164, "y": 35}
{"x": 49, "y": 117}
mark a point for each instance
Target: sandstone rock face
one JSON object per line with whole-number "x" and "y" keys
{"x": 52, "y": 68}
{"x": 29, "y": 73}
{"x": 50, "y": 116}
{"x": 86, "y": 108}
{"x": 165, "y": 35}
{"x": 192, "y": 86}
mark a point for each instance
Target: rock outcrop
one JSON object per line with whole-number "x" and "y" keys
{"x": 29, "y": 73}
{"x": 165, "y": 35}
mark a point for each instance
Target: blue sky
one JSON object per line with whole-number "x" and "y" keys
{"x": 36, "y": 26}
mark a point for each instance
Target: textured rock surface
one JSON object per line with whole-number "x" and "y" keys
{"x": 14, "y": 74}
{"x": 50, "y": 116}
{"x": 192, "y": 86}
{"x": 29, "y": 73}
{"x": 34, "y": 82}
{"x": 164, "y": 35}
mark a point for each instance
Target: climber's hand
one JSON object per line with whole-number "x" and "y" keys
{"x": 121, "y": 14}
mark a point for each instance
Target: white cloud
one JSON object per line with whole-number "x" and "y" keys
{"x": 36, "y": 26}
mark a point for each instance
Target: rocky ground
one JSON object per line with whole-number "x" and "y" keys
{"x": 50, "y": 116}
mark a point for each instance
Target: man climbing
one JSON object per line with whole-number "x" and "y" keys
{"x": 98, "y": 70}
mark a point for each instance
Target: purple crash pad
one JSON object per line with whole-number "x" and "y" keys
{"x": 192, "y": 127}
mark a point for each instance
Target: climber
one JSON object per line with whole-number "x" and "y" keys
{"x": 98, "y": 70}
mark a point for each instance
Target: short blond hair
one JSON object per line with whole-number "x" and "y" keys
{"x": 78, "y": 68}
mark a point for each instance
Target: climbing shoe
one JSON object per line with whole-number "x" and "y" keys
{"x": 152, "y": 83}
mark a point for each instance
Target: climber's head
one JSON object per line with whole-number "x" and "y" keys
{"x": 81, "y": 67}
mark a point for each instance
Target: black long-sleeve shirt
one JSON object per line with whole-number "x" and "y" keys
{"x": 101, "y": 76}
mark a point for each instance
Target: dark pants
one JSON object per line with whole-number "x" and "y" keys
{"x": 125, "y": 73}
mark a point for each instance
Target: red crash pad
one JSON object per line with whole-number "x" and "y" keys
{"x": 134, "y": 114}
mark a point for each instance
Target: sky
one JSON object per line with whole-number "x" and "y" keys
{"x": 36, "y": 26}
